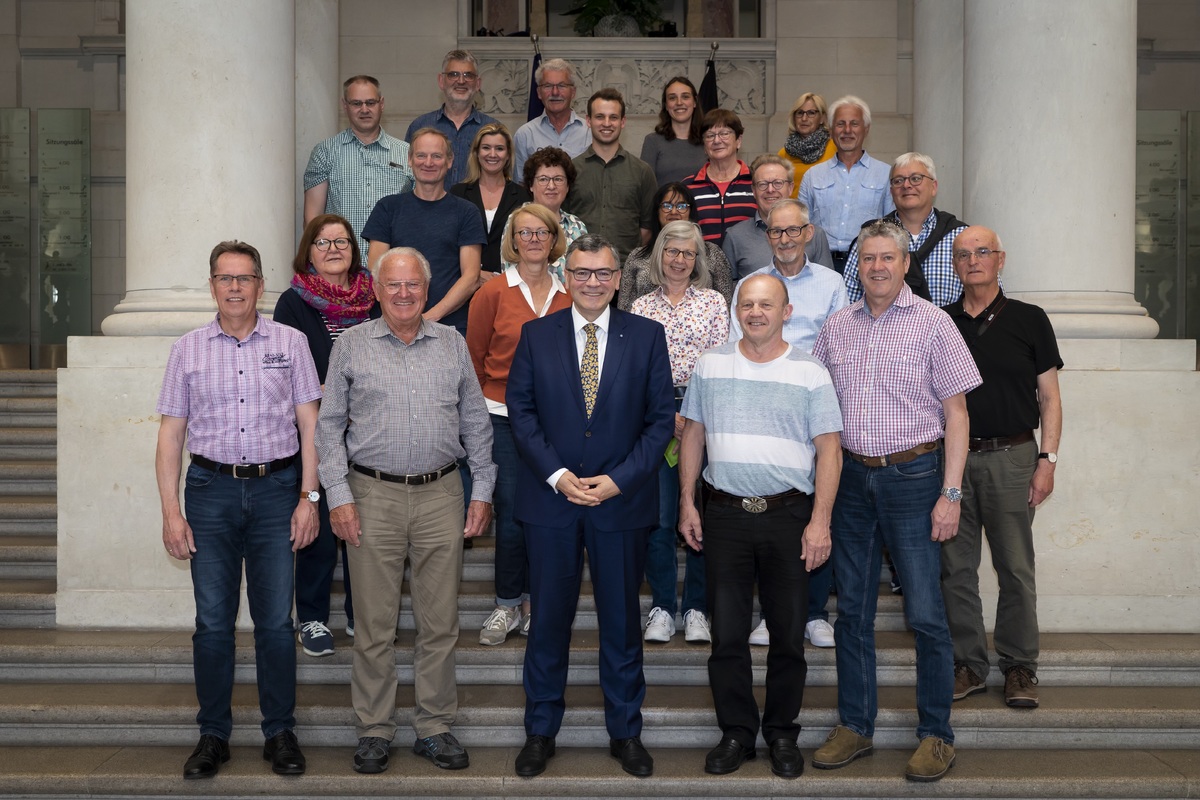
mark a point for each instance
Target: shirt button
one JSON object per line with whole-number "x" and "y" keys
{"x": 587, "y": 434}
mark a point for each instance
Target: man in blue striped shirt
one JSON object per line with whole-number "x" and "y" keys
{"x": 768, "y": 415}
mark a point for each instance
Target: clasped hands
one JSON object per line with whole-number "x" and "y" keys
{"x": 586, "y": 491}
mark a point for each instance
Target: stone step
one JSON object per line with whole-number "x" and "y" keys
{"x": 27, "y": 603}
{"x": 675, "y": 716}
{"x": 28, "y": 412}
{"x": 28, "y": 383}
{"x": 29, "y": 444}
{"x": 140, "y": 656}
{"x": 28, "y": 478}
{"x": 28, "y": 515}
{"x": 112, "y": 770}
{"x": 27, "y": 557}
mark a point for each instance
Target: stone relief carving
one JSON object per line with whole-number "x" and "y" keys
{"x": 741, "y": 84}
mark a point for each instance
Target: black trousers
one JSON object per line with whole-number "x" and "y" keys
{"x": 739, "y": 545}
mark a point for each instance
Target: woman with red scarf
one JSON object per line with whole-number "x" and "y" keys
{"x": 330, "y": 292}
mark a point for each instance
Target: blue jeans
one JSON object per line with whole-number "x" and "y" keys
{"x": 512, "y": 560}
{"x": 234, "y": 520}
{"x": 662, "y": 565}
{"x": 890, "y": 506}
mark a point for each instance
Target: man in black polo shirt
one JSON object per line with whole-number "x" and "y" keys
{"x": 1006, "y": 476}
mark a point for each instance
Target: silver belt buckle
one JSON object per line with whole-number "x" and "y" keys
{"x": 755, "y": 505}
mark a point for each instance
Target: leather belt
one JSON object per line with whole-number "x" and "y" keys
{"x": 680, "y": 391}
{"x": 903, "y": 457}
{"x": 753, "y": 505}
{"x": 409, "y": 480}
{"x": 244, "y": 471}
{"x": 998, "y": 442}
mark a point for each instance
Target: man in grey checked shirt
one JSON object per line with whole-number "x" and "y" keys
{"x": 399, "y": 394}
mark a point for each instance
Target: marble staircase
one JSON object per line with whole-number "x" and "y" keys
{"x": 110, "y": 713}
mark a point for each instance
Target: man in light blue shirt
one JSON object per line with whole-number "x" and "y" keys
{"x": 844, "y": 192}
{"x": 558, "y": 126}
{"x": 814, "y": 291}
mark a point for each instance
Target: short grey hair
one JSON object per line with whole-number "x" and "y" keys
{"x": 851, "y": 100}
{"x": 788, "y": 202}
{"x": 593, "y": 243}
{"x": 460, "y": 55}
{"x": 886, "y": 229}
{"x": 678, "y": 231}
{"x": 767, "y": 159}
{"x": 554, "y": 65}
{"x": 920, "y": 158}
{"x": 403, "y": 252}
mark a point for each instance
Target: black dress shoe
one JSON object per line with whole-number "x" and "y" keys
{"x": 633, "y": 756}
{"x": 727, "y": 756}
{"x": 786, "y": 761}
{"x": 210, "y": 753}
{"x": 534, "y": 755}
{"x": 283, "y": 751}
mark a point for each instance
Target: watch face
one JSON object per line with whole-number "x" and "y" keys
{"x": 952, "y": 494}
{"x": 314, "y": 496}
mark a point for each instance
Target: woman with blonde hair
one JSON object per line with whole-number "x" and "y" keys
{"x": 490, "y": 187}
{"x": 808, "y": 141}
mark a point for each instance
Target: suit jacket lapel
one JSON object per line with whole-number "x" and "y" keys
{"x": 569, "y": 359}
{"x": 614, "y": 352}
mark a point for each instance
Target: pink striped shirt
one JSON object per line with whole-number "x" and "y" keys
{"x": 240, "y": 398}
{"x": 892, "y": 373}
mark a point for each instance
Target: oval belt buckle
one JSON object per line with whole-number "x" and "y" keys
{"x": 755, "y": 505}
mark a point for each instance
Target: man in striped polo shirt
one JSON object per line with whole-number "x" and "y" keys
{"x": 767, "y": 413}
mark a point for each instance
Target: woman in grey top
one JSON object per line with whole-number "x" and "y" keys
{"x": 676, "y": 150}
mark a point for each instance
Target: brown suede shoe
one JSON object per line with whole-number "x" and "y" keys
{"x": 933, "y": 759}
{"x": 1020, "y": 687}
{"x": 841, "y": 747}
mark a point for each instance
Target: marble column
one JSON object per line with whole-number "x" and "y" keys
{"x": 211, "y": 152}
{"x": 1049, "y": 99}
{"x": 318, "y": 85}
{"x": 938, "y": 94}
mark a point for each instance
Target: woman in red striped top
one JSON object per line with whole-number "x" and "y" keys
{"x": 723, "y": 190}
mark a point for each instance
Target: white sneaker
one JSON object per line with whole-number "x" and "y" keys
{"x": 819, "y": 632}
{"x": 525, "y": 623}
{"x": 760, "y": 636}
{"x": 496, "y": 628}
{"x": 660, "y": 625}
{"x": 695, "y": 627}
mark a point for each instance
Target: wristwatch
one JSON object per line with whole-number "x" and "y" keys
{"x": 952, "y": 493}
{"x": 1051, "y": 457}
{"x": 313, "y": 495}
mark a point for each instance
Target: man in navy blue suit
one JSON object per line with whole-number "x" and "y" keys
{"x": 592, "y": 409}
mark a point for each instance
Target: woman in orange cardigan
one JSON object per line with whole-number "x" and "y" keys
{"x": 808, "y": 139}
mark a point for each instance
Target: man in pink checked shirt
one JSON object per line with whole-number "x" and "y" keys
{"x": 901, "y": 371}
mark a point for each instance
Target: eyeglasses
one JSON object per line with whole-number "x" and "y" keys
{"x": 361, "y": 103}
{"x": 712, "y": 136}
{"x": 341, "y": 243}
{"x": 585, "y": 275}
{"x": 227, "y": 280}
{"x": 900, "y": 180}
{"x": 980, "y": 252}
{"x": 540, "y": 234}
{"x": 393, "y": 287}
{"x": 674, "y": 252}
{"x": 680, "y": 207}
{"x": 807, "y": 112}
{"x": 455, "y": 75}
{"x": 555, "y": 87}
{"x": 791, "y": 230}
{"x": 546, "y": 180}
{"x": 777, "y": 185}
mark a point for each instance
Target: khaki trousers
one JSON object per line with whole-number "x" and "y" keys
{"x": 423, "y": 524}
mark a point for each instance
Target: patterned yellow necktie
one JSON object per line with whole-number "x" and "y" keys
{"x": 589, "y": 372}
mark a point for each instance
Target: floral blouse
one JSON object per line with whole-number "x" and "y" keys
{"x": 698, "y": 323}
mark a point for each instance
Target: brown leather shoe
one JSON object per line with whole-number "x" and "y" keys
{"x": 966, "y": 682}
{"x": 1020, "y": 687}
{"x": 842, "y": 746}
{"x": 933, "y": 759}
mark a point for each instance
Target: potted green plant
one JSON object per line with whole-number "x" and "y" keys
{"x": 616, "y": 17}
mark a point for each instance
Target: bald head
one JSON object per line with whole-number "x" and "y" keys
{"x": 978, "y": 258}
{"x": 769, "y": 284}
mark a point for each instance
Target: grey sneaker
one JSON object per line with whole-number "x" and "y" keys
{"x": 315, "y": 638}
{"x": 371, "y": 757}
{"x": 496, "y": 628}
{"x": 443, "y": 750}
{"x": 696, "y": 627}
{"x": 526, "y": 622}
{"x": 660, "y": 625}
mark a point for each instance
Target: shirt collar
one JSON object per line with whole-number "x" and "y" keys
{"x": 381, "y": 330}
{"x": 601, "y": 321}
{"x": 905, "y": 299}
{"x": 513, "y": 276}
{"x": 545, "y": 120}
{"x": 591, "y": 153}
{"x": 804, "y": 271}
{"x": 214, "y": 327}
